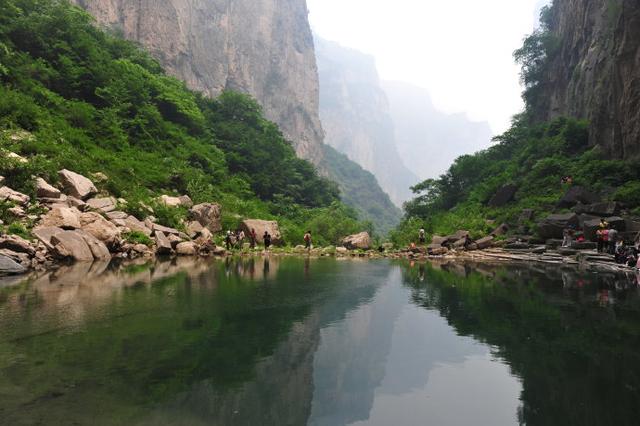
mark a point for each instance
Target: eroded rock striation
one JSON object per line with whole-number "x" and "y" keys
{"x": 260, "y": 47}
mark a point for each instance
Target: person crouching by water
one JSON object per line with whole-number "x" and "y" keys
{"x": 267, "y": 240}
{"x": 422, "y": 236}
{"x": 307, "y": 240}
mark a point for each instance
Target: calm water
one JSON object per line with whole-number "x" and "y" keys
{"x": 319, "y": 342}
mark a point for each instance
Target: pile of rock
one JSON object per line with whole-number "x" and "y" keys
{"x": 79, "y": 226}
{"x": 461, "y": 240}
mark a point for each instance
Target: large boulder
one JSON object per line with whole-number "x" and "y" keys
{"x": 77, "y": 185}
{"x": 44, "y": 190}
{"x": 208, "y": 215}
{"x": 71, "y": 245}
{"x": 98, "y": 249}
{"x": 8, "y": 194}
{"x": 457, "y": 236}
{"x": 437, "y": 240}
{"x": 187, "y": 248}
{"x": 100, "y": 228}
{"x": 503, "y": 196}
{"x": 554, "y": 225}
{"x": 62, "y": 217}
{"x": 578, "y": 195}
{"x": 484, "y": 243}
{"x": 260, "y": 226}
{"x": 361, "y": 241}
{"x": 617, "y": 223}
{"x": 9, "y": 266}
{"x": 170, "y": 201}
{"x": 598, "y": 209}
{"x": 44, "y": 234}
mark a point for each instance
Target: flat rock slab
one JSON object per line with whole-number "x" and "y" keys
{"x": 8, "y": 194}
{"x": 10, "y": 267}
{"x": 107, "y": 204}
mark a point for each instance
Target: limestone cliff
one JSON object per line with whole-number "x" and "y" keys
{"x": 355, "y": 115}
{"x": 595, "y": 71}
{"x": 260, "y": 47}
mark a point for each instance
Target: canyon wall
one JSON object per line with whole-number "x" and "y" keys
{"x": 260, "y": 47}
{"x": 594, "y": 72}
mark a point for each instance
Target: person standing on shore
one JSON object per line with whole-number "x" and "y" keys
{"x": 227, "y": 240}
{"x": 267, "y": 240}
{"x": 253, "y": 237}
{"x": 422, "y": 236}
{"x": 613, "y": 239}
{"x": 307, "y": 240}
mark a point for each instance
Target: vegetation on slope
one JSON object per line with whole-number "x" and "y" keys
{"x": 532, "y": 156}
{"x": 361, "y": 191}
{"x": 72, "y": 96}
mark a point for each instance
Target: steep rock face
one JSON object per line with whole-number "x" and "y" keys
{"x": 260, "y": 47}
{"x": 595, "y": 73}
{"x": 430, "y": 140}
{"x": 355, "y": 115}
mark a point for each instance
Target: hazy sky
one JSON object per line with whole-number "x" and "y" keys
{"x": 460, "y": 50}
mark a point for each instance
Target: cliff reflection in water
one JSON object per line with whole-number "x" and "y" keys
{"x": 283, "y": 341}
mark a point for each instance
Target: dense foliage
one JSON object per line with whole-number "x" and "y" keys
{"x": 73, "y": 96}
{"x": 361, "y": 190}
{"x": 533, "y": 157}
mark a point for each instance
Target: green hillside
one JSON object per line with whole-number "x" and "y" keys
{"x": 72, "y": 96}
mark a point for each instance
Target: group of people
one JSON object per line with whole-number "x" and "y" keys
{"x": 609, "y": 241}
{"x": 236, "y": 239}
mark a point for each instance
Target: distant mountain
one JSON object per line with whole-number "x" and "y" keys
{"x": 429, "y": 140}
{"x": 355, "y": 115}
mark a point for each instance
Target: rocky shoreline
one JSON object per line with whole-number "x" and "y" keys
{"x": 75, "y": 223}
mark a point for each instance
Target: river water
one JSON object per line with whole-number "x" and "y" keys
{"x": 287, "y": 341}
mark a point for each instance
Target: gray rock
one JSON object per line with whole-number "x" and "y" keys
{"x": 77, "y": 185}
{"x": 165, "y": 229}
{"x": 163, "y": 245}
{"x": 187, "y": 249}
{"x": 8, "y": 194}
{"x": 71, "y": 245}
{"x": 361, "y": 241}
{"x": 112, "y": 215}
{"x": 46, "y": 191}
{"x": 10, "y": 267}
{"x": 98, "y": 249}
{"x": 500, "y": 230}
{"x": 106, "y": 204}
{"x": 484, "y": 243}
{"x": 62, "y": 217}
{"x": 44, "y": 234}
{"x": 17, "y": 244}
{"x": 554, "y": 225}
{"x": 503, "y": 196}
{"x": 209, "y": 215}
{"x": 576, "y": 195}
{"x": 598, "y": 209}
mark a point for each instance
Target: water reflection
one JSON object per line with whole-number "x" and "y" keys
{"x": 281, "y": 341}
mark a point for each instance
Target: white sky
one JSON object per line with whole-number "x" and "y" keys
{"x": 460, "y": 50}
